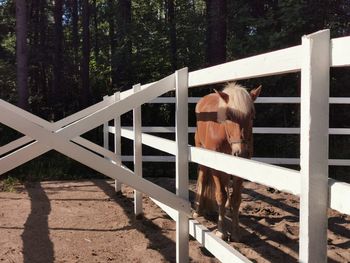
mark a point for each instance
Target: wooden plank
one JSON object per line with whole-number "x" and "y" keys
{"x": 251, "y": 170}
{"x": 137, "y": 123}
{"x": 130, "y": 92}
{"x": 256, "y": 130}
{"x": 120, "y": 107}
{"x": 31, "y": 117}
{"x": 336, "y": 100}
{"x": 21, "y": 156}
{"x": 150, "y": 158}
{"x": 170, "y": 211}
{"x": 339, "y": 162}
{"x": 59, "y": 143}
{"x": 15, "y": 144}
{"x": 181, "y": 126}
{"x": 59, "y": 124}
{"x": 117, "y": 143}
{"x": 219, "y": 248}
{"x": 273, "y": 63}
{"x": 340, "y": 52}
{"x": 339, "y": 196}
{"x": 106, "y": 132}
{"x": 290, "y": 161}
{"x": 292, "y": 100}
{"x": 158, "y": 143}
{"x": 95, "y": 148}
{"x": 275, "y": 130}
{"x": 260, "y": 100}
{"x": 275, "y": 100}
{"x": 314, "y": 147}
{"x": 172, "y": 100}
{"x": 153, "y": 129}
{"x": 339, "y": 131}
{"x": 28, "y": 152}
{"x": 276, "y": 161}
{"x": 49, "y": 126}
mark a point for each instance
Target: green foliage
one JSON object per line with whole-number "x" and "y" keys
{"x": 254, "y": 27}
{"x": 9, "y": 184}
{"x": 7, "y": 81}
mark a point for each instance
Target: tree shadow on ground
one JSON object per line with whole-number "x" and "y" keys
{"x": 37, "y": 246}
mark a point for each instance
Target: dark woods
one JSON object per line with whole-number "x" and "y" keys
{"x": 57, "y": 57}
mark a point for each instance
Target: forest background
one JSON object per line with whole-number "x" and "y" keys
{"x": 58, "y": 57}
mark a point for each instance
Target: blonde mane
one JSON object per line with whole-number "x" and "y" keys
{"x": 240, "y": 103}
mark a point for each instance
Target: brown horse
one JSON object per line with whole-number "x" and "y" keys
{"x": 224, "y": 124}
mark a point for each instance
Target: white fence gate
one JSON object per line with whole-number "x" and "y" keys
{"x": 313, "y": 58}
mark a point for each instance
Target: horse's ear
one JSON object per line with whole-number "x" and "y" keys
{"x": 255, "y": 93}
{"x": 223, "y": 95}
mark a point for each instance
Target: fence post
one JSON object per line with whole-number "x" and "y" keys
{"x": 182, "y": 229}
{"x": 314, "y": 147}
{"x": 137, "y": 123}
{"x": 105, "y": 132}
{"x": 117, "y": 143}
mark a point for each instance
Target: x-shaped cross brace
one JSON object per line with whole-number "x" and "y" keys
{"x": 63, "y": 137}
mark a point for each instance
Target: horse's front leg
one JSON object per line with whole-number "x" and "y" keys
{"x": 229, "y": 196}
{"x": 221, "y": 198}
{"x": 202, "y": 173}
{"x": 235, "y": 203}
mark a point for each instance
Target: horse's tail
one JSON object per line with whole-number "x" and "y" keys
{"x": 206, "y": 203}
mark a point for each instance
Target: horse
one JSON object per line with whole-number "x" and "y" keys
{"x": 224, "y": 124}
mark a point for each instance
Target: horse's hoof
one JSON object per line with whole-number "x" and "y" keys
{"x": 220, "y": 235}
{"x": 235, "y": 238}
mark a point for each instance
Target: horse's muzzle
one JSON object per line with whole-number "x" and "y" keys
{"x": 240, "y": 148}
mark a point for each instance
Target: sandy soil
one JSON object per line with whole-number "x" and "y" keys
{"x": 84, "y": 221}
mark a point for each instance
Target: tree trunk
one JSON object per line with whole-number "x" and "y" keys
{"x": 86, "y": 55}
{"x": 123, "y": 51}
{"x": 43, "y": 49}
{"x": 96, "y": 47}
{"x": 58, "y": 83}
{"x": 22, "y": 54}
{"x": 38, "y": 65}
{"x": 172, "y": 34}
{"x": 216, "y": 31}
{"x": 75, "y": 36}
{"x": 113, "y": 44}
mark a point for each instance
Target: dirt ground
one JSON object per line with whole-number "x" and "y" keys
{"x": 84, "y": 221}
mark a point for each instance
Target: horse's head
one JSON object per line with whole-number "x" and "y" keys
{"x": 236, "y": 112}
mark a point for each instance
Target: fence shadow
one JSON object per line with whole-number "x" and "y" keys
{"x": 152, "y": 231}
{"x": 253, "y": 237}
{"x": 37, "y": 246}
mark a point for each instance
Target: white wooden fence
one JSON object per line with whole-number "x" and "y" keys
{"x": 315, "y": 73}
{"x": 313, "y": 58}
